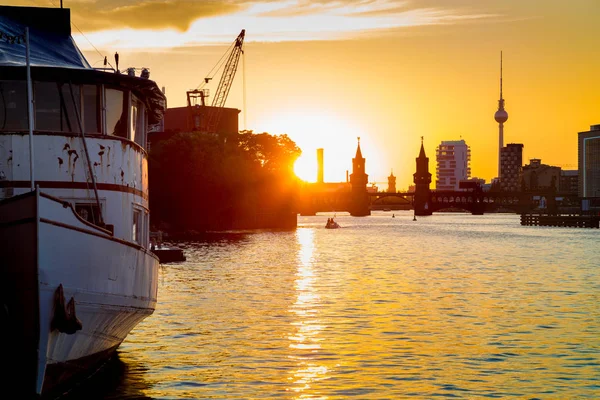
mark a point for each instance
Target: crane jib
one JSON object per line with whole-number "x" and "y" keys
{"x": 212, "y": 117}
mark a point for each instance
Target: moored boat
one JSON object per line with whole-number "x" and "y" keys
{"x": 77, "y": 272}
{"x": 168, "y": 254}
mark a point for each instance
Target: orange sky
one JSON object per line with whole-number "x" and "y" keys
{"x": 388, "y": 71}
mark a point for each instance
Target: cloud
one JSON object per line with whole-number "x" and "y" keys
{"x": 95, "y": 15}
{"x": 160, "y": 24}
{"x": 174, "y": 14}
{"x": 307, "y": 7}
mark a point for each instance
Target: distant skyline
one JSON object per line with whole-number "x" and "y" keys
{"x": 325, "y": 72}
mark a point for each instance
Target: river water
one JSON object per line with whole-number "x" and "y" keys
{"x": 448, "y": 306}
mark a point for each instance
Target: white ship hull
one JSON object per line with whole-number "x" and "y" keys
{"x": 76, "y": 270}
{"x": 113, "y": 283}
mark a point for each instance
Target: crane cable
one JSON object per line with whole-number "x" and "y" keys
{"x": 217, "y": 67}
{"x": 244, "y": 85}
{"x": 85, "y": 37}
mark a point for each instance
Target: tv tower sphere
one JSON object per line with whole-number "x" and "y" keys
{"x": 501, "y": 115}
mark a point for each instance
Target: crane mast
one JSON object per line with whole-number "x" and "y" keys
{"x": 214, "y": 117}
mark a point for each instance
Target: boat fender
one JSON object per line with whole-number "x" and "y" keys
{"x": 64, "y": 319}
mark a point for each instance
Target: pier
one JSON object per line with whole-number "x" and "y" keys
{"x": 573, "y": 221}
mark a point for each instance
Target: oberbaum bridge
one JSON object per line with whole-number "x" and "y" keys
{"x": 359, "y": 201}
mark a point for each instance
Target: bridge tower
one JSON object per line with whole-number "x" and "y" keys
{"x": 391, "y": 183}
{"x": 422, "y": 179}
{"x": 359, "y": 203}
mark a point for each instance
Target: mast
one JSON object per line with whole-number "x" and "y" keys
{"x": 29, "y": 109}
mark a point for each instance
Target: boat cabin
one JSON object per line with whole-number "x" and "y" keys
{"x": 89, "y": 127}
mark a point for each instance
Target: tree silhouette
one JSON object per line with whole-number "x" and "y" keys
{"x": 200, "y": 182}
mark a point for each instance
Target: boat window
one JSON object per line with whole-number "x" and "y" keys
{"x": 54, "y": 107}
{"x": 116, "y": 112}
{"x": 137, "y": 122}
{"x": 91, "y": 111}
{"x": 146, "y": 231}
{"x": 88, "y": 211}
{"x": 137, "y": 226}
{"x": 13, "y": 106}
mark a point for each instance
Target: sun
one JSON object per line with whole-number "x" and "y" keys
{"x": 312, "y": 130}
{"x": 306, "y": 168}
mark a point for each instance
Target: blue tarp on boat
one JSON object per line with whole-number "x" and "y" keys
{"x": 50, "y": 41}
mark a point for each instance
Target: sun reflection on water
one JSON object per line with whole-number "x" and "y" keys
{"x": 307, "y": 325}
{"x": 369, "y": 312}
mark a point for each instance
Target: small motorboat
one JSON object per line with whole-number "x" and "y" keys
{"x": 331, "y": 224}
{"x": 168, "y": 254}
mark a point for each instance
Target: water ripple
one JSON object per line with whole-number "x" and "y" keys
{"x": 450, "y": 306}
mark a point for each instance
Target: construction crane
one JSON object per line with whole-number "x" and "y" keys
{"x": 212, "y": 115}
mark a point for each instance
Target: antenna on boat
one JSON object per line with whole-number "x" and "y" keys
{"x": 117, "y": 62}
{"x": 29, "y": 108}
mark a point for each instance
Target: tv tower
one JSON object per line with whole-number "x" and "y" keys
{"x": 501, "y": 117}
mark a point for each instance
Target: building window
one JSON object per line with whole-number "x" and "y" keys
{"x": 89, "y": 212}
{"x": 137, "y": 122}
{"x": 116, "y": 112}
{"x": 13, "y": 106}
{"x": 54, "y": 107}
{"x": 137, "y": 226}
{"x": 146, "y": 238}
{"x": 91, "y": 109}
{"x": 140, "y": 224}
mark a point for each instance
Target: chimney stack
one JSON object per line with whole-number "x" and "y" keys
{"x": 320, "y": 166}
